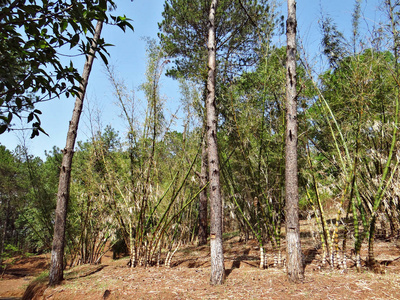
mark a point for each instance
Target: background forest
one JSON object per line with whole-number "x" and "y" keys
{"x": 144, "y": 192}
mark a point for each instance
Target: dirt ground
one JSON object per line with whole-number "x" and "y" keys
{"x": 188, "y": 277}
{"x": 20, "y": 273}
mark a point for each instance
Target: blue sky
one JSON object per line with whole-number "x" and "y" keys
{"x": 128, "y": 57}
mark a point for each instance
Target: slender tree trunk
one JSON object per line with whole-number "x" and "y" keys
{"x": 217, "y": 255}
{"x": 295, "y": 265}
{"x": 203, "y": 195}
{"x": 57, "y": 252}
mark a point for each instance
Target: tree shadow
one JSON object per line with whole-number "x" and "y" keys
{"x": 310, "y": 255}
{"x": 73, "y": 276}
{"x": 236, "y": 262}
{"x": 196, "y": 262}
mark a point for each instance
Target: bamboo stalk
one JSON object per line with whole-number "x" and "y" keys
{"x": 169, "y": 259}
{"x": 262, "y": 258}
{"x": 320, "y": 229}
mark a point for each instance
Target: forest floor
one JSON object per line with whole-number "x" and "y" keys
{"x": 188, "y": 277}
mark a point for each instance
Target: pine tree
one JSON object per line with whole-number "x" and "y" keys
{"x": 295, "y": 264}
{"x": 217, "y": 254}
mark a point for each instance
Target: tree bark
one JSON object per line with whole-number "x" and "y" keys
{"x": 295, "y": 265}
{"x": 217, "y": 255}
{"x": 57, "y": 252}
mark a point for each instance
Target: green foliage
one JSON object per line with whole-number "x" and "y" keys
{"x": 37, "y": 216}
{"x": 354, "y": 127}
{"x": 240, "y": 26}
{"x": 333, "y": 41}
{"x": 28, "y": 186}
{"x": 360, "y": 94}
{"x": 9, "y": 251}
{"x": 31, "y": 35}
{"x": 12, "y": 187}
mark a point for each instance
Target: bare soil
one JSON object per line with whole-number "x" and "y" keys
{"x": 20, "y": 271}
{"x": 188, "y": 277}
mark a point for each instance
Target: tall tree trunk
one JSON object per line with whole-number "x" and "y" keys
{"x": 57, "y": 252}
{"x": 203, "y": 195}
{"x": 295, "y": 265}
{"x": 217, "y": 255}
